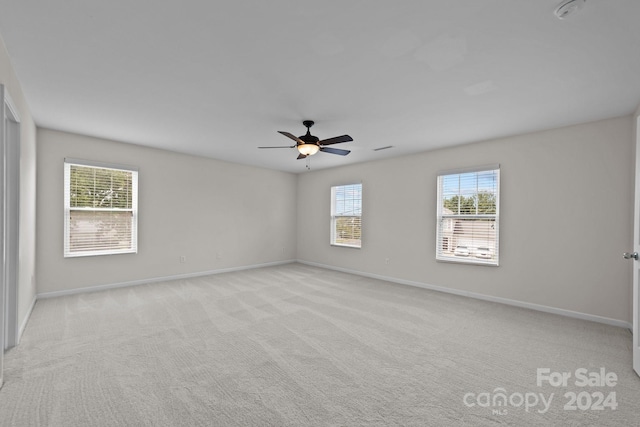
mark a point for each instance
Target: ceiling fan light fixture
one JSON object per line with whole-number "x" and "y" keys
{"x": 308, "y": 149}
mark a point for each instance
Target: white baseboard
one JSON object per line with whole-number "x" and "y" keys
{"x": 516, "y": 303}
{"x": 23, "y": 325}
{"x": 98, "y": 288}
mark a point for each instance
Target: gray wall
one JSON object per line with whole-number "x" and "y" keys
{"x": 217, "y": 214}
{"x": 27, "y": 235}
{"x": 566, "y": 217}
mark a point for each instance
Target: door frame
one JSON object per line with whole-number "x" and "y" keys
{"x": 11, "y": 219}
{"x": 9, "y": 223}
{"x": 636, "y": 247}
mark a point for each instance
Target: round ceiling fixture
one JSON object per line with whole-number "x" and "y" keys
{"x": 568, "y": 7}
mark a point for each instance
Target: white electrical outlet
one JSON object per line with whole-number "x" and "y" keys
{"x": 183, "y": 259}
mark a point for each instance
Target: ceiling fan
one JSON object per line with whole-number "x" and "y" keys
{"x": 308, "y": 145}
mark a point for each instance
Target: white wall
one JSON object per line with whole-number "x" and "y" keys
{"x": 566, "y": 217}
{"x": 217, "y": 214}
{"x": 27, "y": 236}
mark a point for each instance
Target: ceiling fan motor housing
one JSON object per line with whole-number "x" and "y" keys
{"x": 308, "y": 138}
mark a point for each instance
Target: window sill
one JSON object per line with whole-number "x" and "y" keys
{"x": 98, "y": 253}
{"x": 469, "y": 261}
{"x": 339, "y": 245}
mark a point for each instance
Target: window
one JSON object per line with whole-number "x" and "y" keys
{"x": 101, "y": 209}
{"x": 468, "y": 216}
{"x": 346, "y": 215}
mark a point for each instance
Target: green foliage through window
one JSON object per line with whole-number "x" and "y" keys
{"x": 478, "y": 204}
{"x": 92, "y": 187}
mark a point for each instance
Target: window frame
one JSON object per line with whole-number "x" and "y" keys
{"x": 133, "y": 249}
{"x": 472, "y": 258}
{"x": 334, "y": 217}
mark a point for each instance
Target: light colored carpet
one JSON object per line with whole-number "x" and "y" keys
{"x": 296, "y": 345}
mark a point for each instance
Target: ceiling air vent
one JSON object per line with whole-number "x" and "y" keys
{"x": 383, "y": 148}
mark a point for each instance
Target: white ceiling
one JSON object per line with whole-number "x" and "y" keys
{"x": 220, "y": 78}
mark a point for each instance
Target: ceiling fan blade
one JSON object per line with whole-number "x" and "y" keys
{"x": 295, "y": 138}
{"x": 335, "y": 140}
{"x": 335, "y": 151}
{"x": 280, "y": 146}
{"x": 302, "y": 156}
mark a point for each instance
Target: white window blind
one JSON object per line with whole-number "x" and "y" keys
{"x": 468, "y": 216}
{"x": 346, "y": 215}
{"x": 101, "y": 209}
